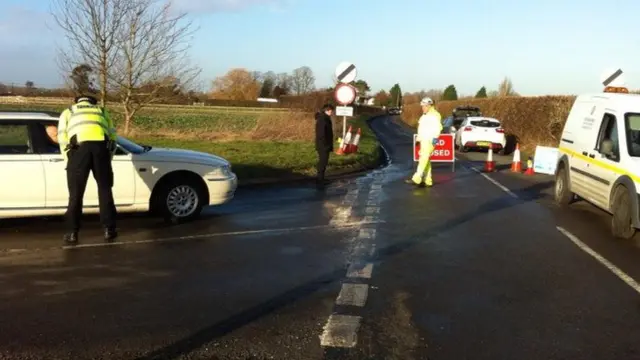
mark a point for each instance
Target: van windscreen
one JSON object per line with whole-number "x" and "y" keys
{"x": 485, "y": 123}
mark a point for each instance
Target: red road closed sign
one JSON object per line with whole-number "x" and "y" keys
{"x": 443, "y": 152}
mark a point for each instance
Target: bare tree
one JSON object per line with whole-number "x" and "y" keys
{"x": 91, "y": 28}
{"x": 302, "y": 80}
{"x": 506, "y": 88}
{"x": 153, "y": 63}
{"x": 283, "y": 84}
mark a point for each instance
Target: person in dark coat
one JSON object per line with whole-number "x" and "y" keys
{"x": 324, "y": 140}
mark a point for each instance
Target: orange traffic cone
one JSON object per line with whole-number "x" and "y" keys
{"x": 529, "y": 168}
{"x": 346, "y": 141}
{"x": 516, "y": 165}
{"x": 489, "y": 164}
{"x": 355, "y": 142}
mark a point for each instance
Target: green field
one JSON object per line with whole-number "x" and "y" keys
{"x": 257, "y": 161}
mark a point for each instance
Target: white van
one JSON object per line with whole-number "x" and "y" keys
{"x": 599, "y": 157}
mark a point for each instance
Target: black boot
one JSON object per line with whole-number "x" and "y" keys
{"x": 110, "y": 234}
{"x": 71, "y": 238}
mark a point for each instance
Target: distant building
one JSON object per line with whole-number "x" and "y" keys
{"x": 365, "y": 100}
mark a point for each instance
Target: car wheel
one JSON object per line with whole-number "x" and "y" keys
{"x": 180, "y": 201}
{"x": 502, "y": 152}
{"x": 621, "y": 221}
{"x": 562, "y": 195}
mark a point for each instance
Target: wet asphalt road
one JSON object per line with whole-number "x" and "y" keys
{"x": 460, "y": 270}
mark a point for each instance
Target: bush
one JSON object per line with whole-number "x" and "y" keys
{"x": 532, "y": 120}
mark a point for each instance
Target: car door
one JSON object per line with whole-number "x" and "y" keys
{"x": 603, "y": 166}
{"x": 56, "y": 175}
{"x": 22, "y": 184}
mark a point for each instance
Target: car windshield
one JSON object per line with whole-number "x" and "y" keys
{"x": 632, "y": 124}
{"x": 485, "y": 123}
{"x": 132, "y": 147}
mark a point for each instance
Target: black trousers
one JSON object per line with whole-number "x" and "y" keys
{"x": 91, "y": 156}
{"x": 323, "y": 160}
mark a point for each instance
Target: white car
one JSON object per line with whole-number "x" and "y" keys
{"x": 481, "y": 132}
{"x": 173, "y": 183}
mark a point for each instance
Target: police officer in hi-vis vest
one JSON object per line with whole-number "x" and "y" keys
{"x": 87, "y": 141}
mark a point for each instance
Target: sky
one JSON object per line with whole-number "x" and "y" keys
{"x": 546, "y": 47}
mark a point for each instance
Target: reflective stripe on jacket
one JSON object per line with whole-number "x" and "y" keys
{"x": 429, "y": 125}
{"x": 86, "y": 122}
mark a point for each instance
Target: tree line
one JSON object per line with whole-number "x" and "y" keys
{"x": 244, "y": 85}
{"x": 450, "y": 93}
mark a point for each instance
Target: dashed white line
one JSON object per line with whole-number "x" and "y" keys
{"x": 614, "y": 269}
{"x": 372, "y": 210}
{"x": 494, "y": 182}
{"x": 353, "y": 295}
{"x": 360, "y": 271}
{"x": 367, "y": 233}
{"x": 341, "y": 331}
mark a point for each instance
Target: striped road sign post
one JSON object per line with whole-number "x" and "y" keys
{"x": 346, "y": 73}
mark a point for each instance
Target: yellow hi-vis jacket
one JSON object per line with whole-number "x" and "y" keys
{"x": 85, "y": 121}
{"x": 429, "y": 126}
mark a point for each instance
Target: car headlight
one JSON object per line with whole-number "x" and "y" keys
{"x": 220, "y": 171}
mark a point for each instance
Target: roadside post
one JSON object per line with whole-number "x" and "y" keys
{"x": 444, "y": 150}
{"x": 345, "y": 94}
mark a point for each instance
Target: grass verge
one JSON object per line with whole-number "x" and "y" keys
{"x": 266, "y": 161}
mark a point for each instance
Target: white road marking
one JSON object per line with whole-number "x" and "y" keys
{"x": 372, "y": 210}
{"x": 614, "y": 269}
{"x": 367, "y": 233}
{"x": 341, "y": 331}
{"x": 494, "y": 182}
{"x": 353, "y": 295}
{"x": 360, "y": 271}
{"x": 211, "y": 235}
{"x": 370, "y": 219}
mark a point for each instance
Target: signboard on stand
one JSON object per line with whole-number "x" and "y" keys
{"x": 344, "y": 111}
{"x": 444, "y": 150}
{"x": 545, "y": 160}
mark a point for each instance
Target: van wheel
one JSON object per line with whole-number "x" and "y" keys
{"x": 562, "y": 195}
{"x": 621, "y": 222}
{"x": 179, "y": 200}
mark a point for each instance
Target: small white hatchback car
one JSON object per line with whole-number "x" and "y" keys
{"x": 599, "y": 157}
{"x": 173, "y": 183}
{"x": 480, "y": 132}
